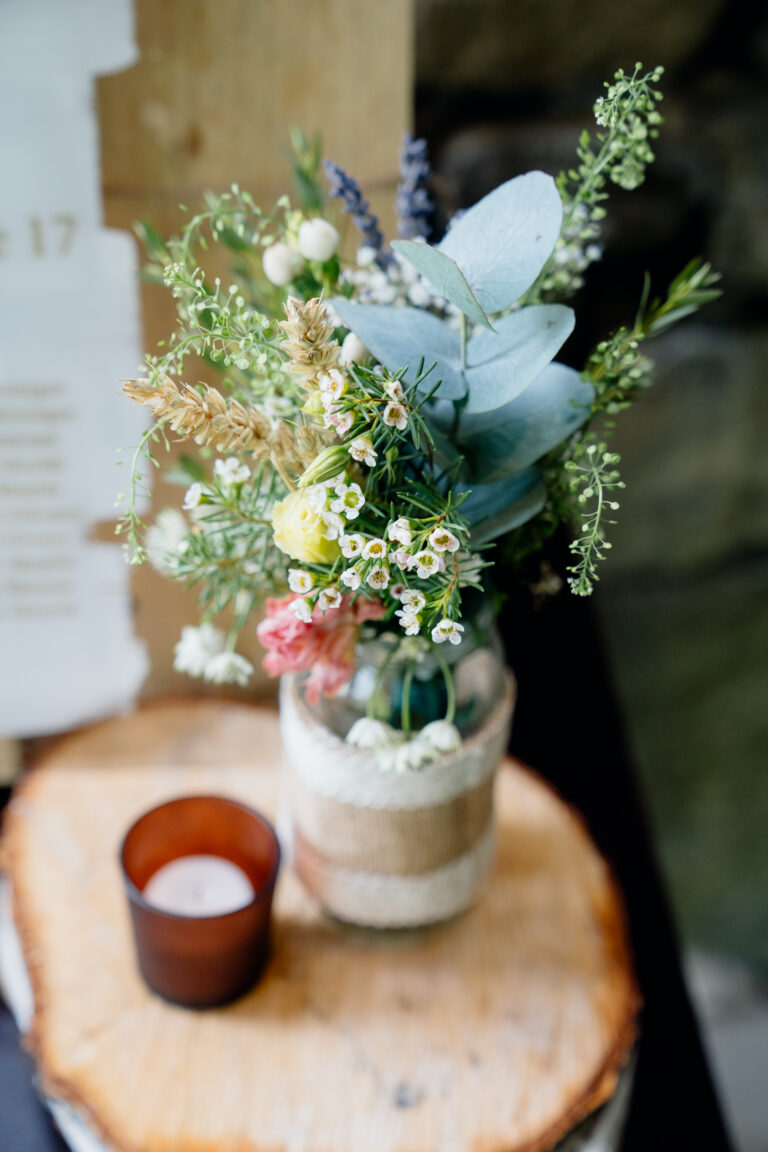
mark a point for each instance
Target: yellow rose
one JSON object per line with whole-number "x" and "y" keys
{"x": 299, "y": 530}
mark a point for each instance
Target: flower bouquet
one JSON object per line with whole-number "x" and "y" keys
{"x": 384, "y": 421}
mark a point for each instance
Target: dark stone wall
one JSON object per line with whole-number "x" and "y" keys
{"x": 505, "y": 87}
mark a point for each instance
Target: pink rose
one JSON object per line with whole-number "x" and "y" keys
{"x": 325, "y": 647}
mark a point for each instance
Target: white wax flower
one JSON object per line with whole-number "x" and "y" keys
{"x": 228, "y": 668}
{"x": 351, "y": 578}
{"x": 351, "y": 545}
{"x": 196, "y": 648}
{"x": 318, "y": 240}
{"x": 442, "y": 540}
{"x": 349, "y": 500}
{"x": 193, "y": 496}
{"x": 300, "y": 581}
{"x": 442, "y": 735}
{"x": 409, "y": 621}
{"x": 374, "y": 549}
{"x": 281, "y": 264}
{"x": 413, "y": 599}
{"x": 231, "y": 471}
{"x": 400, "y": 530}
{"x": 353, "y": 350}
{"x": 332, "y": 385}
{"x": 329, "y": 598}
{"x": 302, "y": 609}
{"x": 449, "y": 630}
{"x": 363, "y": 451}
{"x": 166, "y": 539}
{"x": 395, "y": 416}
{"x": 378, "y": 577}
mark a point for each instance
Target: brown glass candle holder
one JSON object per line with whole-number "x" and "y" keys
{"x": 202, "y": 960}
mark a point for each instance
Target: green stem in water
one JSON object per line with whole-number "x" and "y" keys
{"x": 450, "y": 689}
{"x": 405, "y": 707}
{"x": 381, "y": 672}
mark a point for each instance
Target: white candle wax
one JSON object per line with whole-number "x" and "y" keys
{"x": 199, "y": 886}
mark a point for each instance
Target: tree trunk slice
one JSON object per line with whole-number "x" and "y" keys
{"x": 495, "y": 1032}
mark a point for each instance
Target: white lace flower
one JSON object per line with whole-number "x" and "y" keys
{"x": 401, "y": 558}
{"x": 281, "y": 264}
{"x": 442, "y": 735}
{"x": 329, "y": 598}
{"x": 374, "y": 549}
{"x": 228, "y": 668}
{"x": 349, "y": 500}
{"x": 447, "y": 629}
{"x": 426, "y": 564}
{"x": 394, "y": 390}
{"x": 231, "y": 471}
{"x": 334, "y": 524}
{"x": 400, "y": 530}
{"x": 373, "y": 734}
{"x": 196, "y": 647}
{"x": 363, "y": 451}
{"x": 332, "y": 384}
{"x": 318, "y": 239}
{"x": 302, "y": 609}
{"x": 353, "y": 351}
{"x": 395, "y": 415}
{"x": 409, "y": 621}
{"x": 351, "y": 578}
{"x": 300, "y": 581}
{"x": 351, "y": 545}
{"x": 193, "y": 496}
{"x": 366, "y": 256}
{"x": 443, "y": 541}
{"x": 166, "y": 539}
{"x": 378, "y": 577}
{"x": 413, "y": 599}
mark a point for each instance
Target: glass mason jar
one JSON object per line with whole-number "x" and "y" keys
{"x": 408, "y": 681}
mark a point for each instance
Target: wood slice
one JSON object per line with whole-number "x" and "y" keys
{"x": 497, "y": 1031}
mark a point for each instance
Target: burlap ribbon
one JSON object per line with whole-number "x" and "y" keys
{"x": 390, "y": 841}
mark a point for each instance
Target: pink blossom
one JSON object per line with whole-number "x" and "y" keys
{"x": 324, "y": 647}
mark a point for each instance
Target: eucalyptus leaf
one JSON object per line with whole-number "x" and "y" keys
{"x": 502, "y": 243}
{"x": 444, "y": 275}
{"x": 553, "y": 407}
{"x": 403, "y": 337}
{"x": 502, "y": 364}
{"x": 493, "y": 509}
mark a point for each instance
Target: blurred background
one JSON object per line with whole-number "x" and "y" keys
{"x": 203, "y": 94}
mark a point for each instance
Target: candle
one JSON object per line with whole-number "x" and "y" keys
{"x": 199, "y": 886}
{"x": 199, "y": 874}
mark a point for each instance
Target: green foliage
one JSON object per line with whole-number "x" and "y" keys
{"x": 592, "y": 478}
{"x": 628, "y": 120}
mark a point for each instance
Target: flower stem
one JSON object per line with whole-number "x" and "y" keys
{"x": 405, "y": 707}
{"x": 450, "y": 688}
{"x": 381, "y": 672}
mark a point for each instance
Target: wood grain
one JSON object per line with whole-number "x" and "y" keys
{"x": 218, "y": 86}
{"x": 494, "y": 1032}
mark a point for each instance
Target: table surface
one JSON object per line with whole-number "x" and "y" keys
{"x": 674, "y": 1105}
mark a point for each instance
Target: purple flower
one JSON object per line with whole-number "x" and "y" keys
{"x": 414, "y": 204}
{"x": 344, "y": 188}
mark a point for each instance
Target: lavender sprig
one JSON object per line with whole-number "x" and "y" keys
{"x": 343, "y": 187}
{"x": 414, "y": 204}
